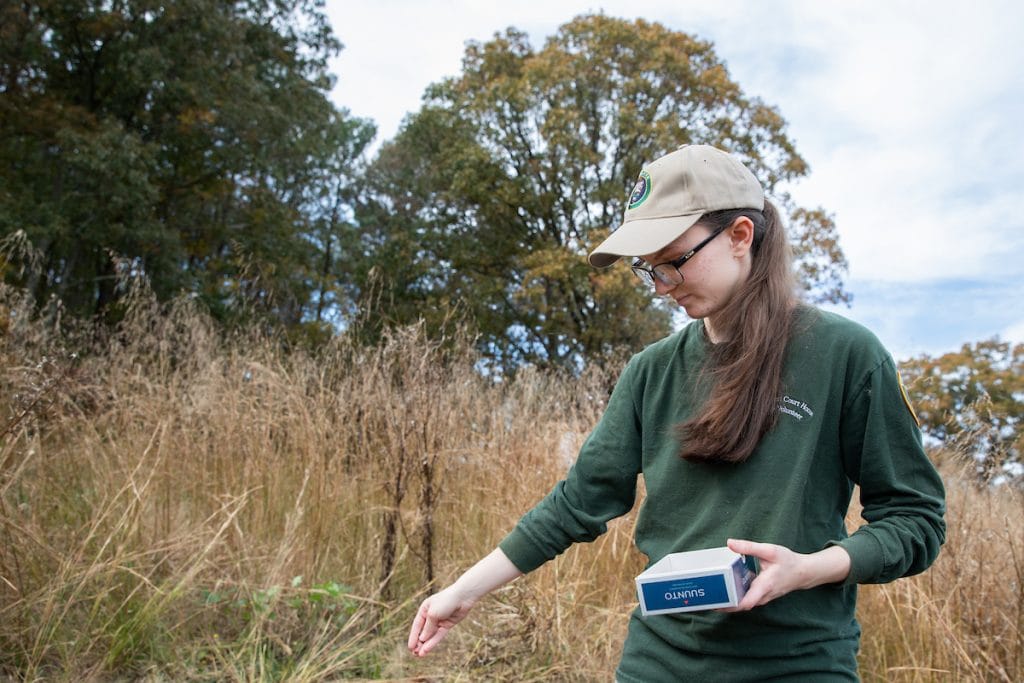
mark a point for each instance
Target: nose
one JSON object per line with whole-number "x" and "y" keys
{"x": 660, "y": 288}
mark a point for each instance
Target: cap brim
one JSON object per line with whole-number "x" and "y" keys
{"x": 639, "y": 237}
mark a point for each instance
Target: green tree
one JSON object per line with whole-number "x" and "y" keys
{"x": 192, "y": 139}
{"x": 974, "y": 399}
{"x": 491, "y": 194}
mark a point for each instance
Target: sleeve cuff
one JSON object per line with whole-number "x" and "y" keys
{"x": 523, "y": 553}
{"x": 866, "y": 557}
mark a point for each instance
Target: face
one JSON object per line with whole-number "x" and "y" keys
{"x": 713, "y": 274}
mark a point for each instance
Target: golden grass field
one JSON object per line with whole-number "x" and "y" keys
{"x": 177, "y": 506}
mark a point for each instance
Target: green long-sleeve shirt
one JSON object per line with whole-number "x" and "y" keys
{"x": 843, "y": 420}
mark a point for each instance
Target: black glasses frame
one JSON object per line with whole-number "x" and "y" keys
{"x": 668, "y": 272}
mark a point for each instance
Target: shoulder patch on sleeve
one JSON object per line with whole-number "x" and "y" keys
{"x": 906, "y": 399}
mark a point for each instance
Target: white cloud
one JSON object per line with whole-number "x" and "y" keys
{"x": 903, "y": 217}
{"x": 1014, "y": 333}
{"x": 910, "y": 122}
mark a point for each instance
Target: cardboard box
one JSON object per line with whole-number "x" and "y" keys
{"x": 696, "y": 580}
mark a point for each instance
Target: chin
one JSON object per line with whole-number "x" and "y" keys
{"x": 694, "y": 310}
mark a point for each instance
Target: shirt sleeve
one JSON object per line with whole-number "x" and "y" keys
{"x": 600, "y": 486}
{"x": 901, "y": 493}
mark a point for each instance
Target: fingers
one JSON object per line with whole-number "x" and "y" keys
{"x": 417, "y": 625}
{"x": 427, "y": 629}
{"x": 429, "y": 644}
{"x": 430, "y": 627}
{"x": 756, "y": 595}
{"x": 762, "y": 551}
{"x": 765, "y": 586}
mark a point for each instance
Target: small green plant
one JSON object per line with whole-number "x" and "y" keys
{"x": 326, "y": 598}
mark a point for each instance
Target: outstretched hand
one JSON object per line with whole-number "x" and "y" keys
{"x": 437, "y": 615}
{"x": 784, "y": 571}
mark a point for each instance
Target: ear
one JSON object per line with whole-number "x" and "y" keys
{"x": 741, "y": 236}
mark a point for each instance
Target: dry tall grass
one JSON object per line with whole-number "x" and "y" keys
{"x": 178, "y": 506}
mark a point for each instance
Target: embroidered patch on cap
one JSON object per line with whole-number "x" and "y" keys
{"x": 641, "y": 190}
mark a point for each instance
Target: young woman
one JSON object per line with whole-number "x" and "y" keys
{"x": 751, "y": 426}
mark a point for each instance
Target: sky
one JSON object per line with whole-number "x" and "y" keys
{"x": 910, "y": 115}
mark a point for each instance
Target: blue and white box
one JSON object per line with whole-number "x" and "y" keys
{"x": 696, "y": 580}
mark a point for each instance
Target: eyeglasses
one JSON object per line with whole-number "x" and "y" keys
{"x": 668, "y": 273}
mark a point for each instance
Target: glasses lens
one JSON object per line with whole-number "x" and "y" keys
{"x": 668, "y": 274}
{"x": 644, "y": 275}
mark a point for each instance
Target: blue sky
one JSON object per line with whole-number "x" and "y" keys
{"x": 909, "y": 114}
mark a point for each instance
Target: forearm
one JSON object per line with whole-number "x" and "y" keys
{"x": 831, "y": 565}
{"x": 493, "y": 571}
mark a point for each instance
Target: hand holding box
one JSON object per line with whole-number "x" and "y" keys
{"x": 695, "y": 580}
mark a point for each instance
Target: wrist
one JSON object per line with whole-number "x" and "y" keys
{"x": 831, "y": 565}
{"x": 491, "y": 572}
{"x": 467, "y": 591}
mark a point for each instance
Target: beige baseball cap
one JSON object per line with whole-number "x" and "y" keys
{"x": 672, "y": 193}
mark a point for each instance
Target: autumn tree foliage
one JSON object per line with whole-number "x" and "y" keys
{"x": 974, "y": 399}
{"x": 191, "y": 143}
{"x": 491, "y": 195}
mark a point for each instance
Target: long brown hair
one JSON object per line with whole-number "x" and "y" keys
{"x": 744, "y": 372}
